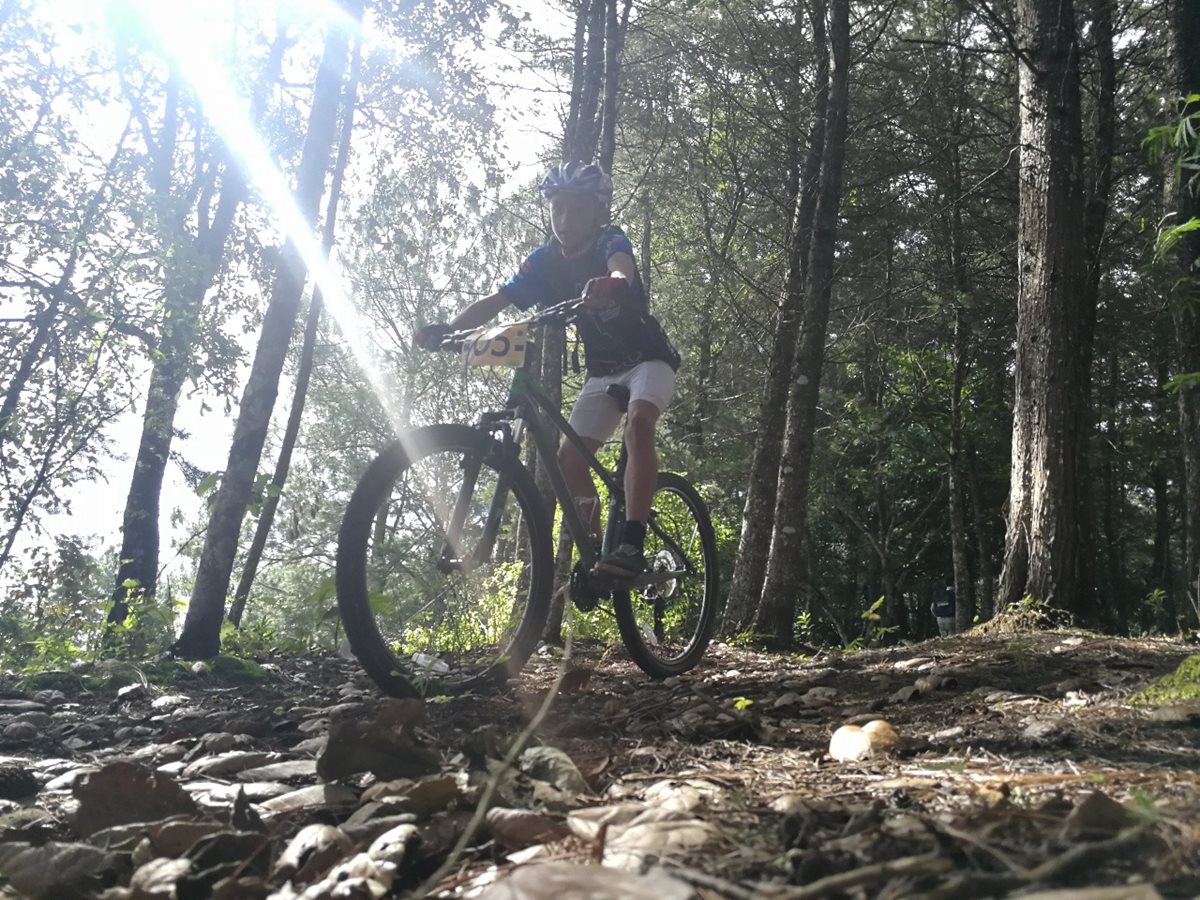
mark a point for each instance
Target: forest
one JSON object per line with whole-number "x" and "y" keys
{"x": 287, "y": 608}
{"x": 931, "y": 266}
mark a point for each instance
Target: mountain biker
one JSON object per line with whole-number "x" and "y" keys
{"x": 623, "y": 344}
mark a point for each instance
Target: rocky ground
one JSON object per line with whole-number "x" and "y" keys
{"x": 1015, "y": 765}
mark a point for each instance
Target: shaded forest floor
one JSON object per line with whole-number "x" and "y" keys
{"x": 1021, "y": 770}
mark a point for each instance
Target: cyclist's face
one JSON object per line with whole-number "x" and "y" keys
{"x": 574, "y": 219}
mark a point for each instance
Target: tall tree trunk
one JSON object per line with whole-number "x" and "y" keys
{"x": 580, "y": 141}
{"x": 1185, "y": 22}
{"x": 614, "y": 41}
{"x": 1112, "y": 591}
{"x": 965, "y": 609}
{"x": 754, "y": 541}
{"x": 1045, "y": 553}
{"x": 785, "y": 565}
{"x": 1163, "y": 575}
{"x": 202, "y": 626}
{"x": 983, "y": 540}
{"x": 194, "y": 264}
{"x": 283, "y": 463}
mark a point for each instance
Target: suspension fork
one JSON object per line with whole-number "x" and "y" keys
{"x": 450, "y": 559}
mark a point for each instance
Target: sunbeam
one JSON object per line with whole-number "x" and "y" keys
{"x": 227, "y": 113}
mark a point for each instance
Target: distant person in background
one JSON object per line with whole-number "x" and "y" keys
{"x": 942, "y": 608}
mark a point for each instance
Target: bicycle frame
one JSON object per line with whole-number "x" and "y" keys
{"x": 527, "y": 402}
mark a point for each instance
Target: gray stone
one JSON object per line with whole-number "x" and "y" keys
{"x": 229, "y": 763}
{"x": 21, "y": 731}
{"x": 37, "y": 719}
{"x": 282, "y": 771}
{"x": 9, "y": 707}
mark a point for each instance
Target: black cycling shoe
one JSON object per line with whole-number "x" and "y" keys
{"x": 627, "y": 561}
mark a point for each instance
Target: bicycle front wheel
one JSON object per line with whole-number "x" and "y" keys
{"x": 427, "y": 611}
{"x": 666, "y": 626}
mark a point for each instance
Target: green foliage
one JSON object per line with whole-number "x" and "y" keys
{"x": 875, "y": 631}
{"x": 1179, "y": 142}
{"x": 51, "y": 616}
{"x": 1180, "y": 686}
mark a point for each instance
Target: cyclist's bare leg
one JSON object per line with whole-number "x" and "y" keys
{"x": 641, "y": 471}
{"x": 579, "y": 480}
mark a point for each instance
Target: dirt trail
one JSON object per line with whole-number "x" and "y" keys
{"x": 1020, "y": 768}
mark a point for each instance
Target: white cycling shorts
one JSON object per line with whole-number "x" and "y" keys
{"x": 595, "y": 414}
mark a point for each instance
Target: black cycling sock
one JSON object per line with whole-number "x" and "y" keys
{"x": 634, "y": 533}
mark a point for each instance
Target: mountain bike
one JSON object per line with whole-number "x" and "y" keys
{"x": 445, "y": 558}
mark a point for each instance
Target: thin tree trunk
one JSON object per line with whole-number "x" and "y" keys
{"x": 283, "y": 464}
{"x": 965, "y": 606}
{"x": 581, "y": 142}
{"x": 1046, "y": 547}
{"x": 1112, "y": 592}
{"x": 785, "y": 576}
{"x": 755, "y": 539}
{"x": 1163, "y": 574}
{"x": 614, "y": 42}
{"x": 964, "y": 610}
{"x": 202, "y": 626}
{"x": 582, "y": 15}
{"x": 983, "y": 540}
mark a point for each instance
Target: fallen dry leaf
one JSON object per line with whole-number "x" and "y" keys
{"x": 313, "y": 850}
{"x": 558, "y": 881}
{"x": 515, "y": 828}
{"x": 54, "y": 870}
{"x": 123, "y": 792}
{"x": 555, "y": 767}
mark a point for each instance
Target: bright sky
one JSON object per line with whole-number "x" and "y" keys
{"x": 194, "y": 34}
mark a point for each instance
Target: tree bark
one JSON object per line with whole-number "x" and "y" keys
{"x": 785, "y": 573}
{"x": 964, "y": 609}
{"x": 1046, "y": 545}
{"x": 614, "y": 42}
{"x": 291, "y": 433}
{"x": 201, "y": 633}
{"x": 580, "y": 141}
{"x": 757, "y": 512}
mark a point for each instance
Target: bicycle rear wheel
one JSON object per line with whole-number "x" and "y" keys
{"x": 667, "y": 626}
{"x": 425, "y": 617}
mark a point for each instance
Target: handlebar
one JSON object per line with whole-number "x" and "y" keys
{"x": 559, "y": 314}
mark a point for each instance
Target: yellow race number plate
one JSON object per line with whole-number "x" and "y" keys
{"x": 503, "y": 345}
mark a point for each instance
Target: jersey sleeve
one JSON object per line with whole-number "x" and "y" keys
{"x": 527, "y": 287}
{"x": 616, "y": 241}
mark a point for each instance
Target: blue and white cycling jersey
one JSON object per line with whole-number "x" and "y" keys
{"x": 621, "y": 342}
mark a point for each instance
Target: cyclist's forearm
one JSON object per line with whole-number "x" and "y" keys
{"x": 480, "y": 312}
{"x": 621, "y": 264}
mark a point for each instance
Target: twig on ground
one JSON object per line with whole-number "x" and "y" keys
{"x": 598, "y": 844}
{"x": 485, "y": 798}
{"x": 728, "y": 889}
{"x": 978, "y": 843}
{"x": 1085, "y": 854}
{"x": 926, "y": 864}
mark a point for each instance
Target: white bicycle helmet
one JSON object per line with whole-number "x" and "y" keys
{"x": 577, "y": 178}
